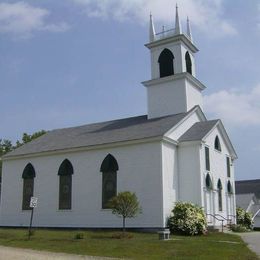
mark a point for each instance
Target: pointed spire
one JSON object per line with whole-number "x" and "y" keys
{"x": 151, "y": 30}
{"x": 189, "y": 29}
{"x": 177, "y": 22}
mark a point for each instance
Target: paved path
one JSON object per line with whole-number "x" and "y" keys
{"x": 253, "y": 241}
{"x": 10, "y": 253}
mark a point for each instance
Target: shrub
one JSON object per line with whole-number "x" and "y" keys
{"x": 239, "y": 228}
{"x": 79, "y": 236}
{"x": 121, "y": 235}
{"x": 244, "y": 218}
{"x": 187, "y": 219}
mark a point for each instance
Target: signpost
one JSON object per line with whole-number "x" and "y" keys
{"x": 33, "y": 204}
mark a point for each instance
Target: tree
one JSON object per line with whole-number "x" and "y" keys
{"x": 28, "y": 138}
{"x": 125, "y": 205}
{"x": 6, "y": 146}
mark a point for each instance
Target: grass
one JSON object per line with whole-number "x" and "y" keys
{"x": 136, "y": 246}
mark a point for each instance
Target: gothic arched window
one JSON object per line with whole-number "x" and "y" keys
{"x": 109, "y": 168}
{"x": 229, "y": 188}
{"x": 208, "y": 182}
{"x": 65, "y": 186}
{"x": 188, "y": 63}
{"x": 219, "y": 195}
{"x": 166, "y": 63}
{"x": 28, "y": 184}
{"x": 217, "y": 144}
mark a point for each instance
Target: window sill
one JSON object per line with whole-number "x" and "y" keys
{"x": 64, "y": 210}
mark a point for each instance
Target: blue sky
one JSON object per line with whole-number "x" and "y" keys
{"x": 72, "y": 62}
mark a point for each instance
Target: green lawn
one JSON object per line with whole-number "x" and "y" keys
{"x": 141, "y": 246}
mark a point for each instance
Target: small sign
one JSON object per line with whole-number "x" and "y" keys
{"x": 33, "y": 202}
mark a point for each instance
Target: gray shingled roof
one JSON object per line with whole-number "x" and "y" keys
{"x": 243, "y": 200}
{"x": 248, "y": 186}
{"x": 198, "y": 131}
{"x": 127, "y": 129}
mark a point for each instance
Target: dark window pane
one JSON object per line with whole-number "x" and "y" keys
{"x": 188, "y": 63}
{"x": 219, "y": 195}
{"x": 219, "y": 199}
{"x": 66, "y": 168}
{"x": 109, "y": 187}
{"x": 109, "y": 164}
{"x": 27, "y": 193}
{"x": 229, "y": 188}
{"x": 207, "y": 160}
{"x": 217, "y": 144}
{"x": 228, "y": 166}
{"x": 208, "y": 182}
{"x": 65, "y": 192}
{"x": 166, "y": 63}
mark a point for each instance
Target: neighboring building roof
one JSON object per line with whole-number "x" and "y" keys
{"x": 127, "y": 129}
{"x": 248, "y": 186}
{"x": 244, "y": 200}
{"x": 198, "y": 131}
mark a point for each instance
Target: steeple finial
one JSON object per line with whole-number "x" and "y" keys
{"x": 177, "y": 22}
{"x": 189, "y": 29}
{"x": 151, "y": 29}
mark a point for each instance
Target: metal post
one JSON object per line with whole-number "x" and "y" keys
{"x": 30, "y": 227}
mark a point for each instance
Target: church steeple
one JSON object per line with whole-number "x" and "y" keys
{"x": 189, "y": 29}
{"x": 173, "y": 87}
{"x": 177, "y": 22}
{"x": 151, "y": 29}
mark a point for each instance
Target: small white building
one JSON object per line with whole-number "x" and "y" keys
{"x": 174, "y": 153}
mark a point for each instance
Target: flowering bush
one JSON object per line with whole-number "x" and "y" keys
{"x": 244, "y": 218}
{"x": 187, "y": 219}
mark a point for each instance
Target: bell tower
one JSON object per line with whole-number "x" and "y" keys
{"x": 173, "y": 87}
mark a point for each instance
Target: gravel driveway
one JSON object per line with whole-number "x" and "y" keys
{"x": 253, "y": 241}
{"x": 10, "y": 253}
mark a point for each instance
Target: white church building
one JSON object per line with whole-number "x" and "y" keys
{"x": 174, "y": 153}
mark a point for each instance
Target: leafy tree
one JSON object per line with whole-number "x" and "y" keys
{"x": 6, "y": 146}
{"x": 28, "y": 138}
{"x": 125, "y": 205}
{"x": 187, "y": 219}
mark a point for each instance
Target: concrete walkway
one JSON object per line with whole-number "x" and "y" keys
{"x": 11, "y": 253}
{"x": 253, "y": 241}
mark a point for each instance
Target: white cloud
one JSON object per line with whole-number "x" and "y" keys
{"x": 21, "y": 20}
{"x": 205, "y": 14}
{"x": 234, "y": 107}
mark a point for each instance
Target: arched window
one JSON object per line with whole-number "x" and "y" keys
{"x": 208, "y": 182}
{"x": 217, "y": 144}
{"x": 109, "y": 168}
{"x": 219, "y": 195}
{"x": 188, "y": 63}
{"x": 166, "y": 63}
{"x": 229, "y": 188}
{"x": 65, "y": 186}
{"x": 28, "y": 184}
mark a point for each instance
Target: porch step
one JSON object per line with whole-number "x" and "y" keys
{"x": 212, "y": 228}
